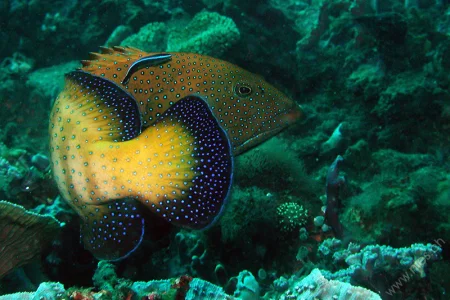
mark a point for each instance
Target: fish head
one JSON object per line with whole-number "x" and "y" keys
{"x": 254, "y": 111}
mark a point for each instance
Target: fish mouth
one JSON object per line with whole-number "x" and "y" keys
{"x": 294, "y": 114}
{"x": 265, "y": 135}
{"x": 287, "y": 118}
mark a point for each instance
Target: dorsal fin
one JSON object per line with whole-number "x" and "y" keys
{"x": 106, "y": 50}
{"x": 99, "y": 63}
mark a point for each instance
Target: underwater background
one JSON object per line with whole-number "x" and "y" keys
{"x": 351, "y": 201}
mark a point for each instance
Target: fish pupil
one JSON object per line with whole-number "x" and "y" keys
{"x": 243, "y": 90}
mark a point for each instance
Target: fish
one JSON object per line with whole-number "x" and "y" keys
{"x": 115, "y": 172}
{"x": 249, "y": 109}
{"x": 152, "y": 60}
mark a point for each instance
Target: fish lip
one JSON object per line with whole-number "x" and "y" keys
{"x": 270, "y": 133}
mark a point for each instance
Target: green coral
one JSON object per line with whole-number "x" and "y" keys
{"x": 291, "y": 216}
{"x": 48, "y": 82}
{"x": 443, "y": 189}
{"x": 247, "y": 209}
{"x": 150, "y": 38}
{"x": 274, "y": 159}
{"x": 118, "y": 35}
{"x": 208, "y": 33}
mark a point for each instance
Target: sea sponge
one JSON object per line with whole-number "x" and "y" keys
{"x": 150, "y": 38}
{"x": 208, "y": 33}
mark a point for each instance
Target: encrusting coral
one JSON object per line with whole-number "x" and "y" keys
{"x": 316, "y": 286}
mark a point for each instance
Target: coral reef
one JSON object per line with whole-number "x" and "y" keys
{"x": 207, "y": 33}
{"x": 112, "y": 287}
{"x": 46, "y": 83}
{"x": 46, "y": 290}
{"x": 315, "y": 285}
{"x": 240, "y": 221}
{"x": 16, "y": 66}
{"x": 372, "y": 265}
{"x": 247, "y": 287}
{"x": 25, "y": 177}
{"x": 274, "y": 158}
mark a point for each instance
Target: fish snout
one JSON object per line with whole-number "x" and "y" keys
{"x": 292, "y": 115}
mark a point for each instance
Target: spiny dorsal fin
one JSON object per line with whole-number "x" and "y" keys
{"x": 106, "y": 50}
{"x": 112, "y": 62}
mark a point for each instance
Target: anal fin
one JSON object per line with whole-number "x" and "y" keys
{"x": 112, "y": 231}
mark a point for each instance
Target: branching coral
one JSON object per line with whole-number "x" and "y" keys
{"x": 366, "y": 264}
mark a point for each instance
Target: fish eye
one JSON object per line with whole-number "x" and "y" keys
{"x": 242, "y": 89}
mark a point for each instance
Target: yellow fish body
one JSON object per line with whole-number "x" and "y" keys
{"x": 249, "y": 109}
{"x": 109, "y": 168}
